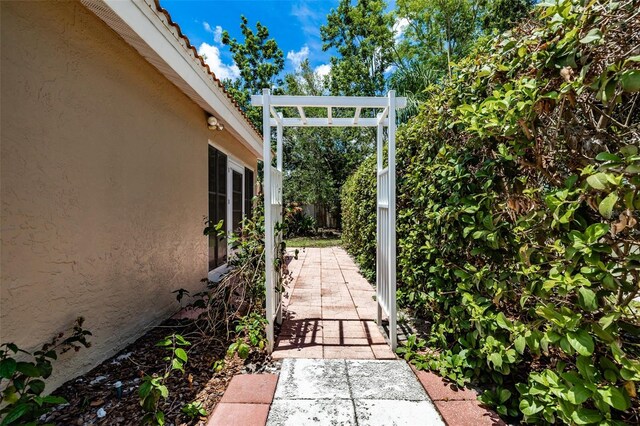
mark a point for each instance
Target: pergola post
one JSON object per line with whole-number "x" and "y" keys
{"x": 279, "y": 132}
{"x": 393, "y": 331}
{"x": 268, "y": 229}
{"x": 380, "y": 165}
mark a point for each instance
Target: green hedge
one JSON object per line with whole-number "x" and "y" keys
{"x": 517, "y": 218}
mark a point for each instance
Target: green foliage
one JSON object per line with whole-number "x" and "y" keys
{"x": 153, "y": 388}
{"x": 297, "y": 222}
{"x": 250, "y": 332}
{"x": 259, "y": 59}
{"x": 359, "y": 216}
{"x": 194, "y": 409}
{"x": 23, "y": 375}
{"x": 361, "y": 34}
{"x": 517, "y": 218}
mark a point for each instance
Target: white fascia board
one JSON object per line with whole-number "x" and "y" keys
{"x": 147, "y": 25}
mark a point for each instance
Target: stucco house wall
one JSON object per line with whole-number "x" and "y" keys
{"x": 103, "y": 184}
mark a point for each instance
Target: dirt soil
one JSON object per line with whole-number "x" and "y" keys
{"x": 92, "y": 397}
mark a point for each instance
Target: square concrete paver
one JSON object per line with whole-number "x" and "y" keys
{"x": 329, "y": 412}
{"x": 251, "y": 389}
{"x": 376, "y": 412}
{"x": 380, "y": 379}
{"x": 313, "y": 379}
{"x": 239, "y": 415}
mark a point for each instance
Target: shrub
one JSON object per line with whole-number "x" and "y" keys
{"x": 517, "y": 217}
{"x": 297, "y": 222}
{"x": 358, "y": 200}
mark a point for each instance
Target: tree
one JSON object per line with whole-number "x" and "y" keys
{"x": 439, "y": 31}
{"x": 260, "y": 61}
{"x": 363, "y": 38}
{"x": 317, "y": 161}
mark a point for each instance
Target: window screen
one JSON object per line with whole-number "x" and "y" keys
{"x": 248, "y": 192}
{"x": 217, "y": 205}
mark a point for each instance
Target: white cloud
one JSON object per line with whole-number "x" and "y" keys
{"x": 296, "y": 58}
{"x": 399, "y": 27}
{"x": 212, "y": 58}
{"x": 323, "y": 70}
{"x": 217, "y": 31}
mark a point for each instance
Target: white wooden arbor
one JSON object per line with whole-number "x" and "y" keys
{"x": 386, "y": 178}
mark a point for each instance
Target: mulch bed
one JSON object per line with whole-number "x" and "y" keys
{"x": 92, "y": 397}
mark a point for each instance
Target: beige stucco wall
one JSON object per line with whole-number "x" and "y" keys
{"x": 103, "y": 184}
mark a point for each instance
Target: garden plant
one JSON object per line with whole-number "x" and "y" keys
{"x": 518, "y": 202}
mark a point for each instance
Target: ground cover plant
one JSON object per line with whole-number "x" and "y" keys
{"x": 517, "y": 220}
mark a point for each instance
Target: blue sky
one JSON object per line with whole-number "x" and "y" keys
{"x": 295, "y": 24}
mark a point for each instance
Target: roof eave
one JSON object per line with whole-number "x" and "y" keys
{"x": 150, "y": 31}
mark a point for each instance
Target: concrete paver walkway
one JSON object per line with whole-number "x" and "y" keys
{"x": 350, "y": 392}
{"x": 330, "y": 311}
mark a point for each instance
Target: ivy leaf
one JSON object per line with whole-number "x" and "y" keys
{"x": 615, "y": 398}
{"x": 529, "y": 408}
{"x": 578, "y": 394}
{"x": 496, "y": 359}
{"x": 607, "y": 156}
{"x": 587, "y": 299}
{"x": 598, "y": 181}
{"x": 15, "y": 413}
{"x": 584, "y": 416}
{"x": 606, "y": 206}
{"x": 581, "y": 341}
{"x": 593, "y": 35}
{"x": 28, "y": 369}
{"x": 520, "y": 344}
{"x": 181, "y": 354}
{"x": 630, "y": 80}
{"x": 7, "y": 367}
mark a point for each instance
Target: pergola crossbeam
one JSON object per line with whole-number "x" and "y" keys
{"x": 276, "y": 116}
{"x": 302, "y": 116}
{"x": 330, "y": 101}
{"x": 356, "y": 116}
{"x": 329, "y": 122}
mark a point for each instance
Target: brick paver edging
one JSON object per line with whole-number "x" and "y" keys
{"x": 246, "y": 401}
{"x": 457, "y": 406}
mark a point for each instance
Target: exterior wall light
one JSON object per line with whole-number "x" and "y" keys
{"x": 214, "y": 124}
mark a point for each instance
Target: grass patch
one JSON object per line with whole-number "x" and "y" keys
{"x": 305, "y": 242}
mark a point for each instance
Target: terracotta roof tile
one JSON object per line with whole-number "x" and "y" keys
{"x": 200, "y": 59}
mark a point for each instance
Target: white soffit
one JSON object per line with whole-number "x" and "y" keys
{"x": 146, "y": 29}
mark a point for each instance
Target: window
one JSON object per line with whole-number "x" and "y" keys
{"x": 248, "y": 192}
{"x": 217, "y": 205}
{"x": 236, "y": 200}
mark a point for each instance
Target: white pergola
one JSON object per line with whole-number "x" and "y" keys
{"x": 386, "y": 178}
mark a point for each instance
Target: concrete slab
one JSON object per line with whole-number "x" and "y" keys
{"x": 377, "y": 412}
{"x": 378, "y": 379}
{"x": 329, "y": 412}
{"x": 313, "y": 379}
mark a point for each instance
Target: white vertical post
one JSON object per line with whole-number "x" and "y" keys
{"x": 379, "y": 167}
{"x": 279, "y": 132}
{"x": 268, "y": 224}
{"x": 393, "y": 331}
{"x": 279, "y": 145}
